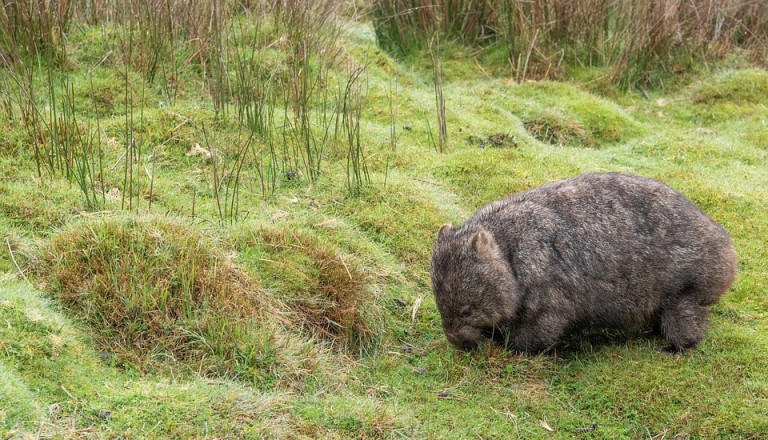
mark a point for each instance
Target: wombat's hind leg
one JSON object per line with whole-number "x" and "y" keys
{"x": 683, "y": 324}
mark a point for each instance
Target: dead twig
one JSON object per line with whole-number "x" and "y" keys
{"x": 13, "y": 258}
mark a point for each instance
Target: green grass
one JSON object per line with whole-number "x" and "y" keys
{"x": 56, "y": 384}
{"x": 141, "y": 324}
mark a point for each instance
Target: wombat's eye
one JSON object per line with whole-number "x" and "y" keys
{"x": 465, "y": 311}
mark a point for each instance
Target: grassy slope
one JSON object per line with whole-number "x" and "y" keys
{"x": 707, "y": 140}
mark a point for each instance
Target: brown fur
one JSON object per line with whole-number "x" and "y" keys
{"x": 597, "y": 250}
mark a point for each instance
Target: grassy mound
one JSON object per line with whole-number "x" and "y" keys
{"x": 732, "y": 96}
{"x": 479, "y": 176}
{"x": 563, "y": 114}
{"x": 325, "y": 291}
{"x": 552, "y": 129}
{"x": 53, "y": 384}
{"x": 739, "y": 87}
{"x": 154, "y": 288}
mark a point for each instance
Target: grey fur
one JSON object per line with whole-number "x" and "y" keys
{"x": 596, "y": 250}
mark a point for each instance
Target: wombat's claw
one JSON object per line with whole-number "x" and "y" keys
{"x": 668, "y": 350}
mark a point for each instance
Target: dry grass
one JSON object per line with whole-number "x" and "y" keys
{"x": 31, "y": 26}
{"x": 637, "y": 40}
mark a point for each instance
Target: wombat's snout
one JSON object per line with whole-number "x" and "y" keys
{"x": 464, "y": 338}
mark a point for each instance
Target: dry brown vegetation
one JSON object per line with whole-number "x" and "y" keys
{"x": 636, "y": 39}
{"x": 553, "y": 130}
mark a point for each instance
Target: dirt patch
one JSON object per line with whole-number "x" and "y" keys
{"x": 494, "y": 140}
{"x": 556, "y": 131}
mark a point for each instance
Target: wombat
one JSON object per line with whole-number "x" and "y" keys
{"x": 598, "y": 250}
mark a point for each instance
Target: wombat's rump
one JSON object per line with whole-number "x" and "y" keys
{"x": 597, "y": 250}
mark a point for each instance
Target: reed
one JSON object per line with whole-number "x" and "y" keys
{"x": 392, "y": 124}
{"x": 353, "y": 98}
{"x": 437, "y": 80}
{"x": 229, "y": 170}
{"x": 63, "y": 142}
{"x": 32, "y": 28}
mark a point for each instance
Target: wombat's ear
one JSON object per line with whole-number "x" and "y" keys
{"x": 484, "y": 245}
{"x": 444, "y": 231}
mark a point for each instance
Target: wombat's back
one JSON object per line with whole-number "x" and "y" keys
{"x": 626, "y": 235}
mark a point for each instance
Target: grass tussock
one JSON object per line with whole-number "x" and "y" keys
{"x": 154, "y": 288}
{"x": 326, "y": 292}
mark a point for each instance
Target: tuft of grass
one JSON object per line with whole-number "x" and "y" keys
{"x": 326, "y": 292}
{"x": 154, "y": 289}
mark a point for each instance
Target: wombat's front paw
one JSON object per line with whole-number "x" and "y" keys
{"x": 668, "y": 350}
